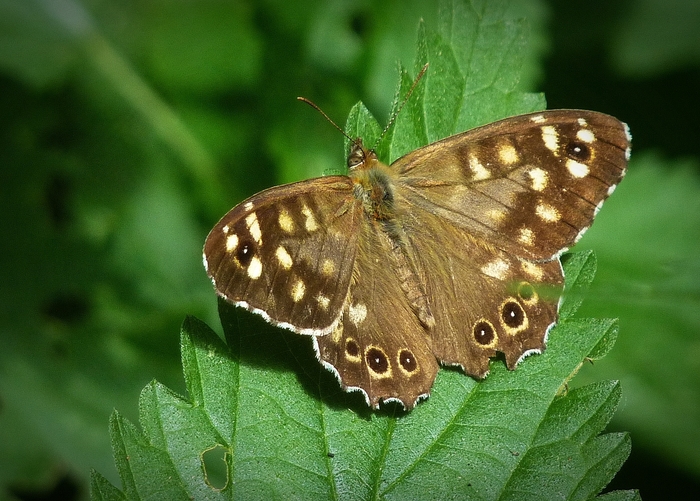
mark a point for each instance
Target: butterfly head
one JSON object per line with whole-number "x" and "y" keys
{"x": 360, "y": 157}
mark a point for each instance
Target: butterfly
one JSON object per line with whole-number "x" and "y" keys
{"x": 447, "y": 256}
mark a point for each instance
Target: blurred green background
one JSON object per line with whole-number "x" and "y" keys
{"x": 128, "y": 128}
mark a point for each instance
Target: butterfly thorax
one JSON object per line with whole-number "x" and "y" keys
{"x": 373, "y": 186}
{"x": 372, "y": 183}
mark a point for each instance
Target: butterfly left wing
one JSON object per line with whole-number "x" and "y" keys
{"x": 287, "y": 253}
{"x": 529, "y": 185}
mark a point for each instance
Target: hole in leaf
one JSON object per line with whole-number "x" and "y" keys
{"x": 215, "y": 465}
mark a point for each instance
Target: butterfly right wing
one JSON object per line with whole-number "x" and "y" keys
{"x": 530, "y": 185}
{"x": 287, "y": 253}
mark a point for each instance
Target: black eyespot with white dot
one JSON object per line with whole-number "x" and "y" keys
{"x": 407, "y": 361}
{"x": 483, "y": 333}
{"x": 577, "y": 150}
{"x": 377, "y": 361}
{"x": 512, "y": 314}
{"x": 245, "y": 252}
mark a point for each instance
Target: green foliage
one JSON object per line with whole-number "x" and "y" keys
{"x": 287, "y": 431}
{"x": 658, "y": 36}
{"x": 129, "y": 127}
{"x": 655, "y": 291}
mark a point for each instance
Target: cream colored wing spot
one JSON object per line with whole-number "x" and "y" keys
{"x": 497, "y": 216}
{"x": 327, "y": 267}
{"x": 550, "y": 136}
{"x": 323, "y": 301}
{"x": 337, "y": 334}
{"x": 254, "y": 268}
{"x": 539, "y": 178}
{"x": 224, "y": 229}
{"x": 538, "y": 119}
{"x": 298, "y": 291}
{"x": 310, "y": 221}
{"x": 283, "y": 257}
{"x": 585, "y": 135}
{"x": 582, "y": 122}
{"x": 285, "y": 221}
{"x": 577, "y": 169}
{"x": 231, "y": 243}
{"x": 251, "y": 221}
{"x": 526, "y": 237}
{"x": 480, "y": 172}
{"x": 508, "y": 154}
{"x": 248, "y": 206}
{"x": 547, "y": 213}
{"x": 357, "y": 313}
{"x": 497, "y": 269}
{"x": 532, "y": 270}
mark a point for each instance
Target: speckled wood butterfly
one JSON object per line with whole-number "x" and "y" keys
{"x": 448, "y": 255}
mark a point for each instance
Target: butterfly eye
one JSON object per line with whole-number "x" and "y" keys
{"x": 356, "y": 157}
{"x": 407, "y": 361}
{"x": 351, "y": 348}
{"x": 526, "y": 291}
{"x": 377, "y": 361}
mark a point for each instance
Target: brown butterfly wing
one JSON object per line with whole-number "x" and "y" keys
{"x": 288, "y": 252}
{"x": 487, "y": 213}
{"x": 379, "y": 347}
{"x": 529, "y": 185}
{"x": 483, "y": 299}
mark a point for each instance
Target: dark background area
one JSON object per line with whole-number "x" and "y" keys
{"x": 128, "y": 128}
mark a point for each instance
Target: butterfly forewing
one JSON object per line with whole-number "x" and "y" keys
{"x": 288, "y": 253}
{"x": 529, "y": 185}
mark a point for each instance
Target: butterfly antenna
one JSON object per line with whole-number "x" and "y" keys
{"x": 403, "y": 103}
{"x": 317, "y": 108}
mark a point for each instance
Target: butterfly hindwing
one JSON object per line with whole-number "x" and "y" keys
{"x": 484, "y": 300}
{"x": 379, "y": 347}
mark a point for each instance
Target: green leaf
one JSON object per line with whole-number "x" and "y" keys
{"x": 470, "y": 80}
{"x": 582, "y": 268}
{"x": 646, "y": 239}
{"x": 102, "y": 490}
{"x": 285, "y": 430}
